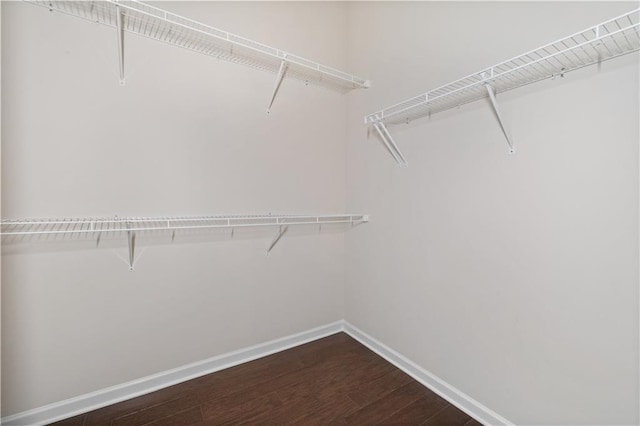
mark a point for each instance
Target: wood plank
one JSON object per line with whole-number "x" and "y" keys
{"x": 157, "y": 412}
{"x": 377, "y": 389}
{"x": 72, "y": 421}
{"x": 310, "y": 376}
{"x": 286, "y": 413}
{"x": 328, "y": 411}
{"x": 265, "y": 370}
{"x": 450, "y": 416}
{"x": 339, "y": 344}
{"x": 106, "y": 415}
{"x": 356, "y": 378}
{"x": 417, "y": 412}
{"x": 244, "y": 381}
{"x": 183, "y": 418}
{"x": 385, "y": 407}
{"x": 216, "y": 413}
{"x": 337, "y": 375}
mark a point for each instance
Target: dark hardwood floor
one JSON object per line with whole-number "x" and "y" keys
{"x": 333, "y": 380}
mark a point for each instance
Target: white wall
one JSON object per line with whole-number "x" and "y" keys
{"x": 186, "y": 135}
{"x": 512, "y": 277}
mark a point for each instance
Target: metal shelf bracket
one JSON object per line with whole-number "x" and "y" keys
{"x": 281, "y": 72}
{"x": 281, "y": 232}
{"x": 390, "y": 144}
{"x": 131, "y": 239}
{"x": 494, "y": 104}
{"x": 120, "y": 33}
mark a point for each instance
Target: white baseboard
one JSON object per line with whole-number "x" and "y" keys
{"x": 91, "y": 401}
{"x": 454, "y": 396}
{"x": 101, "y": 398}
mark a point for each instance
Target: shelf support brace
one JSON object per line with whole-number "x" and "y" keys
{"x": 120, "y": 31}
{"x": 281, "y": 72}
{"x": 494, "y": 104}
{"x": 390, "y": 143}
{"x": 281, "y": 232}
{"x": 131, "y": 238}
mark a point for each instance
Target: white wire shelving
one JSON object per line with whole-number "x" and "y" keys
{"x": 148, "y": 21}
{"x": 130, "y": 227}
{"x": 610, "y": 39}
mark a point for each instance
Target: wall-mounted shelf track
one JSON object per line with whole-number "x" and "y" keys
{"x": 607, "y": 40}
{"x": 142, "y": 19}
{"x": 129, "y": 228}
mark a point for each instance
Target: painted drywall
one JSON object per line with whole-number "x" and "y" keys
{"x": 186, "y": 135}
{"x": 512, "y": 277}
{"x": 0, "y": 202}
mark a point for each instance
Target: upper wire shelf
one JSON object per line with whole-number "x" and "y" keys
{"x": 158, "y": 24}
{"x": 607, "y": 40}
{"x": 130, "y": 224}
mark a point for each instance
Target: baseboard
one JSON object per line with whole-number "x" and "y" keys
{"x": 91, "y": 401}
{"x": 454, "y": 396}
{"x": 98, "y": 399}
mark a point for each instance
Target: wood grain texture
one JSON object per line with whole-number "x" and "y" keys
{"x": 334, "y": 380}
{"x": 449, "y": 416}
{"x": 418, "y": 411}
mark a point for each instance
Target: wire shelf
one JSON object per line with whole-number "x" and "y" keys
{"x": 125, "y": 225}
{"x": 158, "y": 24}
{"x": 607, "y": 40}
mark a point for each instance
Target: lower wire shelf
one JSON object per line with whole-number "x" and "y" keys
{"x": 130, "y": 227}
